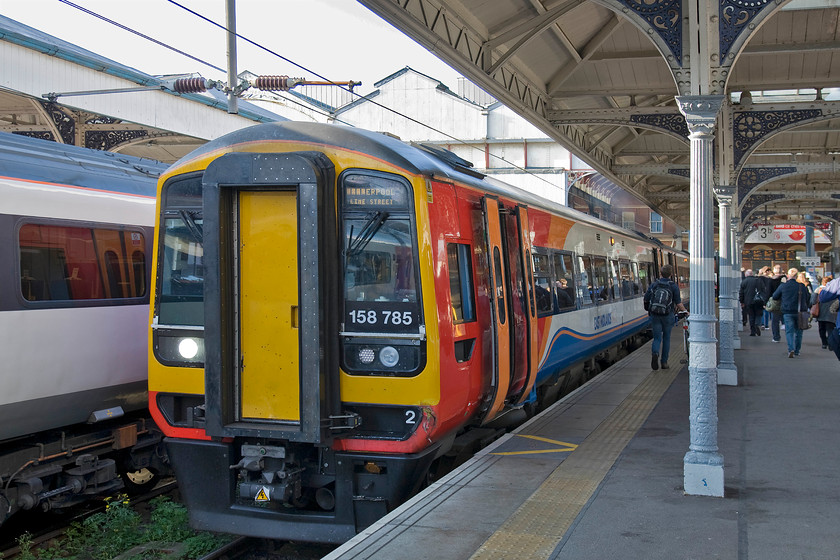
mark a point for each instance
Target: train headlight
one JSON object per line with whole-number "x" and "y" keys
{"x": 380, "y": 357}
{"x": 179, "y": 348}
{"x": 366, "y": 356}
{"x": 389, "y": 356}
{"x": 188, "y": 348}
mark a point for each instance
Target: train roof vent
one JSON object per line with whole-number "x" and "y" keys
{"x": 450, "y": 158}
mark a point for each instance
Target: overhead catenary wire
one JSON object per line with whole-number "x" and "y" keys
{"x": 142, "y": 35}
{"x": 304, "y": 68}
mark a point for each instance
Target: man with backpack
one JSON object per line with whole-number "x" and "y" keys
{"x": 661, "y": 299}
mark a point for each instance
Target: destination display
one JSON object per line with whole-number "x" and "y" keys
{"x": 768, "y": 255}
{"x": 374, "y": 192}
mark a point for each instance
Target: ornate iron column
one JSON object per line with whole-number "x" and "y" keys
{"x": 703, "y": 464}
{"x": 727, "y": 371}
{"x": 739, "y": 247}
{"x": 735, "y": 282}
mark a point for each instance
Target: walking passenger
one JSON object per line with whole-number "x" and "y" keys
{"x": 794, "y": 298}
{"x": 776, "y": 280}
{"x": 828, "y": 295}
{"x": 661, "y": 299}
{"x": 825, "y": 318}
{"x": 753, "y": 296}
{"x": 765, "y": 274}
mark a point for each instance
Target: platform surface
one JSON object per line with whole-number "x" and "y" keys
{"x": 600, "y": 474}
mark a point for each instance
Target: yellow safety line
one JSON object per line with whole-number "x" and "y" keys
{"x": 563, "y": 446}
{"x": 538, "y": 526}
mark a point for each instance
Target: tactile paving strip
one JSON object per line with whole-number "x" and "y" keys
{"x": 537, "y": 527}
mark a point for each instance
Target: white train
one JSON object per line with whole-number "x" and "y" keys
{"x": 76, "y": 228}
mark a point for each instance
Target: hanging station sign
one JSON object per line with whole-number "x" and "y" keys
{"x": 785, "y": 234}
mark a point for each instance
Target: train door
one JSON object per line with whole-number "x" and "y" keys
{"x": 513, "y": 301}
{"x": 530, "y": 360}
{"x": 269, "y": 220}
{"x": 499, "y": 293}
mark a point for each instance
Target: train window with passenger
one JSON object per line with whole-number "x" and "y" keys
{"x": 564, "y": 282}
{"x": 638, "y": 285}
{"x": 542, "y": 281}
{"x": 648, "y": 276}
{"x": 586, "y": 291}
{"x": 629, "y": 286}
{"x": 601, "y": 287}
{"x": 181, "y": 268}
{"x": 66, "y": 262}
{"x": 461, "y": 282}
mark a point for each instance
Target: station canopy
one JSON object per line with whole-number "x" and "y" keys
{"x": 602, "y": 78}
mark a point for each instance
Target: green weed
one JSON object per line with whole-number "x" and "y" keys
{"x": 119, "y": 528}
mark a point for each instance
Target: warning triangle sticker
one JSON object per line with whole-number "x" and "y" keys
{"x": 262, "y": 495}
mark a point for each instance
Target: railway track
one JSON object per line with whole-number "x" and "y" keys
{"x": 47, "y": 527}
{"x": 242, "y": 548}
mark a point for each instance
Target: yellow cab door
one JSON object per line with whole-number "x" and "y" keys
{"x": 269, "y": 377}
{"x": 270, "y": 296}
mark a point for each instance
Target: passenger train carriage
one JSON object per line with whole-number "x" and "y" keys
{"x": 75, "y": 243}
{"x": 334, "y": 309}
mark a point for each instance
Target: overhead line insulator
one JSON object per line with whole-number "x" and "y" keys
{"x": 276, "y": 83}
{"x": 192, "y": 85}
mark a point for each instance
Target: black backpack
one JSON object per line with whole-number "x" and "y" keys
{"x": 661, "y": 299}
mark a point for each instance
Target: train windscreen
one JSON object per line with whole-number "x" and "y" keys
{"x": 381, "y": 296}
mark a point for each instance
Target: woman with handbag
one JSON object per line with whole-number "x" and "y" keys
{"x": 795, "y": 299}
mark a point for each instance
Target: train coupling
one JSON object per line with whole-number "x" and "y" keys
{"x": 265, "y": 475}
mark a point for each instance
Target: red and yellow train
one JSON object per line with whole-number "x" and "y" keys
{"x": 334, "y": 309}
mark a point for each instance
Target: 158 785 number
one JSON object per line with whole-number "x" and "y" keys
{"x": 385, "y": 316}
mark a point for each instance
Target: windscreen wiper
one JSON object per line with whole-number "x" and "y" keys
{"x": 189, "y": 219}
{"x": 374, "y": 222}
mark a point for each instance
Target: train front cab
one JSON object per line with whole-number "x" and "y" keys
{"x": 257, "y": 457}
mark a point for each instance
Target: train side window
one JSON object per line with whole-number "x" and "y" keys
{"x": 682, "y": 273}
{"x": 614, "y": 280}
{"x": 461, "y": 282}
{"x": 500, "y": 287}
{"x": 564, "y": 282}
{"x": 600, "y": 280}
{"x": 648, "y": 278}
{"x": 113, "y": 274}
{"x": 628, "y": 280}
{"x": 542, "y": 282}
{"x": 637, "y": 284}
{"x": 138, "y": 267}
{"x": 586, "y": 291}
{"x": 65, "y": 263}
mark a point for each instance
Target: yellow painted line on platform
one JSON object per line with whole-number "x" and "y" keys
{"x": 562, "y": 446}
{"x": 537, "y": 527}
